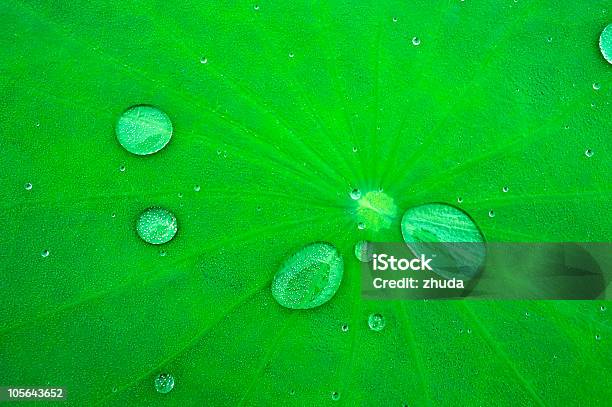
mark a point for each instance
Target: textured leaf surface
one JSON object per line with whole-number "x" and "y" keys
{"x": 296, "y": 105}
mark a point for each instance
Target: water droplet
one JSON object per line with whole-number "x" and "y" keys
{"x": 376, "y": 322}
{"x": 602, "y": 308}
{"x": 44, "y": 253}
{"x": 256, "y": 7}
{"x": 416, "y": 41}
{"x": 203, "y": 60}
{"x": 156, "y": 226}
{"x": 527, "y": 314}
{"x": 469, "y": 331}
{"x": 335, "y": 396}
{"x": 309, "y": 278}
{"x": 196, "y": 188}
{"x": 364, "y": 251}
{"x": 292, "y": 392}
{"x": 143, "y": 130}
{"x": 605, "y": 43}
{"x": 354, "y": 149}
{"x": 395, "y": 19}
{"x": 162, "y": 253}
{"x": 291, "y": 55}
{"x": 180, "y": 194}
{"x": 589, "y": 153}
{"x": 113, "y": 215}
{"x": 355, "y": 194}
{"x": 122, "y": 168}
{"x": 505, "y": 189}
{"x": 114, "y": 390}
{"x": 441, "y": 223}
{"x": 596, "y": 86}
{"x": 491, "y": 213}
{"x": 28, "y": 186}
{"x": 597, "y": 337}
{"x": 549, "y": 39}
{"x": 345, "y": 328}
{"x": 361, "y": 226}
{"x": 164, "y": 382}
{"x": 459, "y": 200}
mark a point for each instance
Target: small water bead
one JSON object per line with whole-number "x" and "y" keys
{"x": 256, "y": 7}
{"x": 345, "y": 328}
{"x": 589, "y": 153}
{"x": 291, "y": 55}
{"x": 354, "y": 149}
{"x": 335, "y": 396}
{"x": 122, "y": 168}
{"x": 376, "y": 322}
{"x": 203, "y": 60}
{"x": 309, "y": 278}
{"x": 596, "y": 86}
{"x": 395, "y": 19}
{"x": 113, "y": 215}
{"x": 597, "y": 337}
{"x": 28, "y": 186}
{"x": 605, "y": 43}
{"x": 469, "y": 331}
{"x": 549, "y": 39}
{"x": 44, "y": 253}
{"x": 491, "y": 213}
{"x": 416, "y": 41}
{"x": 364, "y": 251}
{"x": 361, "y": 226}
{"x": 355, "y": 194}
{"x": 505, "y": 189}
{"x": 164, "y": 383}
{"x": 156, "y": 226}
{"x": 196, "y": 188}
{"x": 602, "y": 308}
{"x": 162, "y": 253}
{"x": 180, "y": 194}
{"x": 459, "y": 200}
{"x": 143, "y": 130}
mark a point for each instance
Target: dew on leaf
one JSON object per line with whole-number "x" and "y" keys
{"x": 345, "y": 328}
{"x": 354, "y": 149}
{"x": 196, "y": 188}
{"x": 425, "y": 226}
{"x": 376, "y": 322}
{"x": 596, "y": 86}
{"x": 291, "y": 55}
{"x": 505, "y": 189}
{"x": 256, "y": 7}
{"x": 395, "y": 19}
{"x": 335, "y": 396}
{"x": 44, "y": 253}
{"x": 143, "y": 130}
{"x": 203, "y": 60}
{"x": 122, "y": 168}
{"x": 605, "y": 43}
{"x": 416, "y": 41}
{"x": 491, "y": 213}
{"x": 309, "y": 278}
{"x": 588, "y": 152}
{"x": 459, "y": 200}
{"x": 164, "y": 383}
{"x": 156, "y": 226}
{"x": 28, "y": 186}
{"x": 364, "y": 251}
{"x": 597, "y": 337}
{"x": 361, "y": 226}
{"x": 355, "y": 194}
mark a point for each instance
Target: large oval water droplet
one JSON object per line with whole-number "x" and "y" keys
{"x": 441, "y": 223}
{"x": 309, "y": 278}
{"x": 143, "y": 130}
{"x": 605, "y": 43}
{"x": 156, "y": 226}
{"x": 164, "y": 382}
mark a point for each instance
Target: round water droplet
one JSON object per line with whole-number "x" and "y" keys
{"x": 335, "y": 396}
{"x": 416, "y": 41}
{"x": 355, "y": 194}
{"x": 113, "y": 215}
{"x": 164, "y": 382}
{"x": 345, "y": 328}
{"x": 597, "y": 337}
{"x": 196, "y": 188}
{"x": 162, "y": 253}
{"x": 459, "y": 200}
{"x": 309, "y": 278}
{"x": 354, "y": 149}
{"x": 256, "y": 6}
{"x": 122, "y": 168}
{"x": 143, "y": 130}
{"x": 588, "y": 152}
{"x": 605, "y": 43}
{"x": 441, "y": 223}
{"x": 469, "y": 331}
{"x": 44, "y": 253}
{"x": 291, "y": 55}
{"x": 395, "y": 19}
{"x": 364, "y": 251}
{"x": 28, "y": 186}
{"x": 549, "y": 39}
{"x": 596, "y": 86}
{"x": 505, "y": 189}
{"x": 361, "y": 226}
{"x": 203, "y": 60}
{"x": 156, "y": 226}
{"x": 376, "y": 322}
{"x": 491, "y": 213}
{"x": 602, "y": 308}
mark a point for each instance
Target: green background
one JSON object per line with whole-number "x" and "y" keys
{"x": 498, "y": 93}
